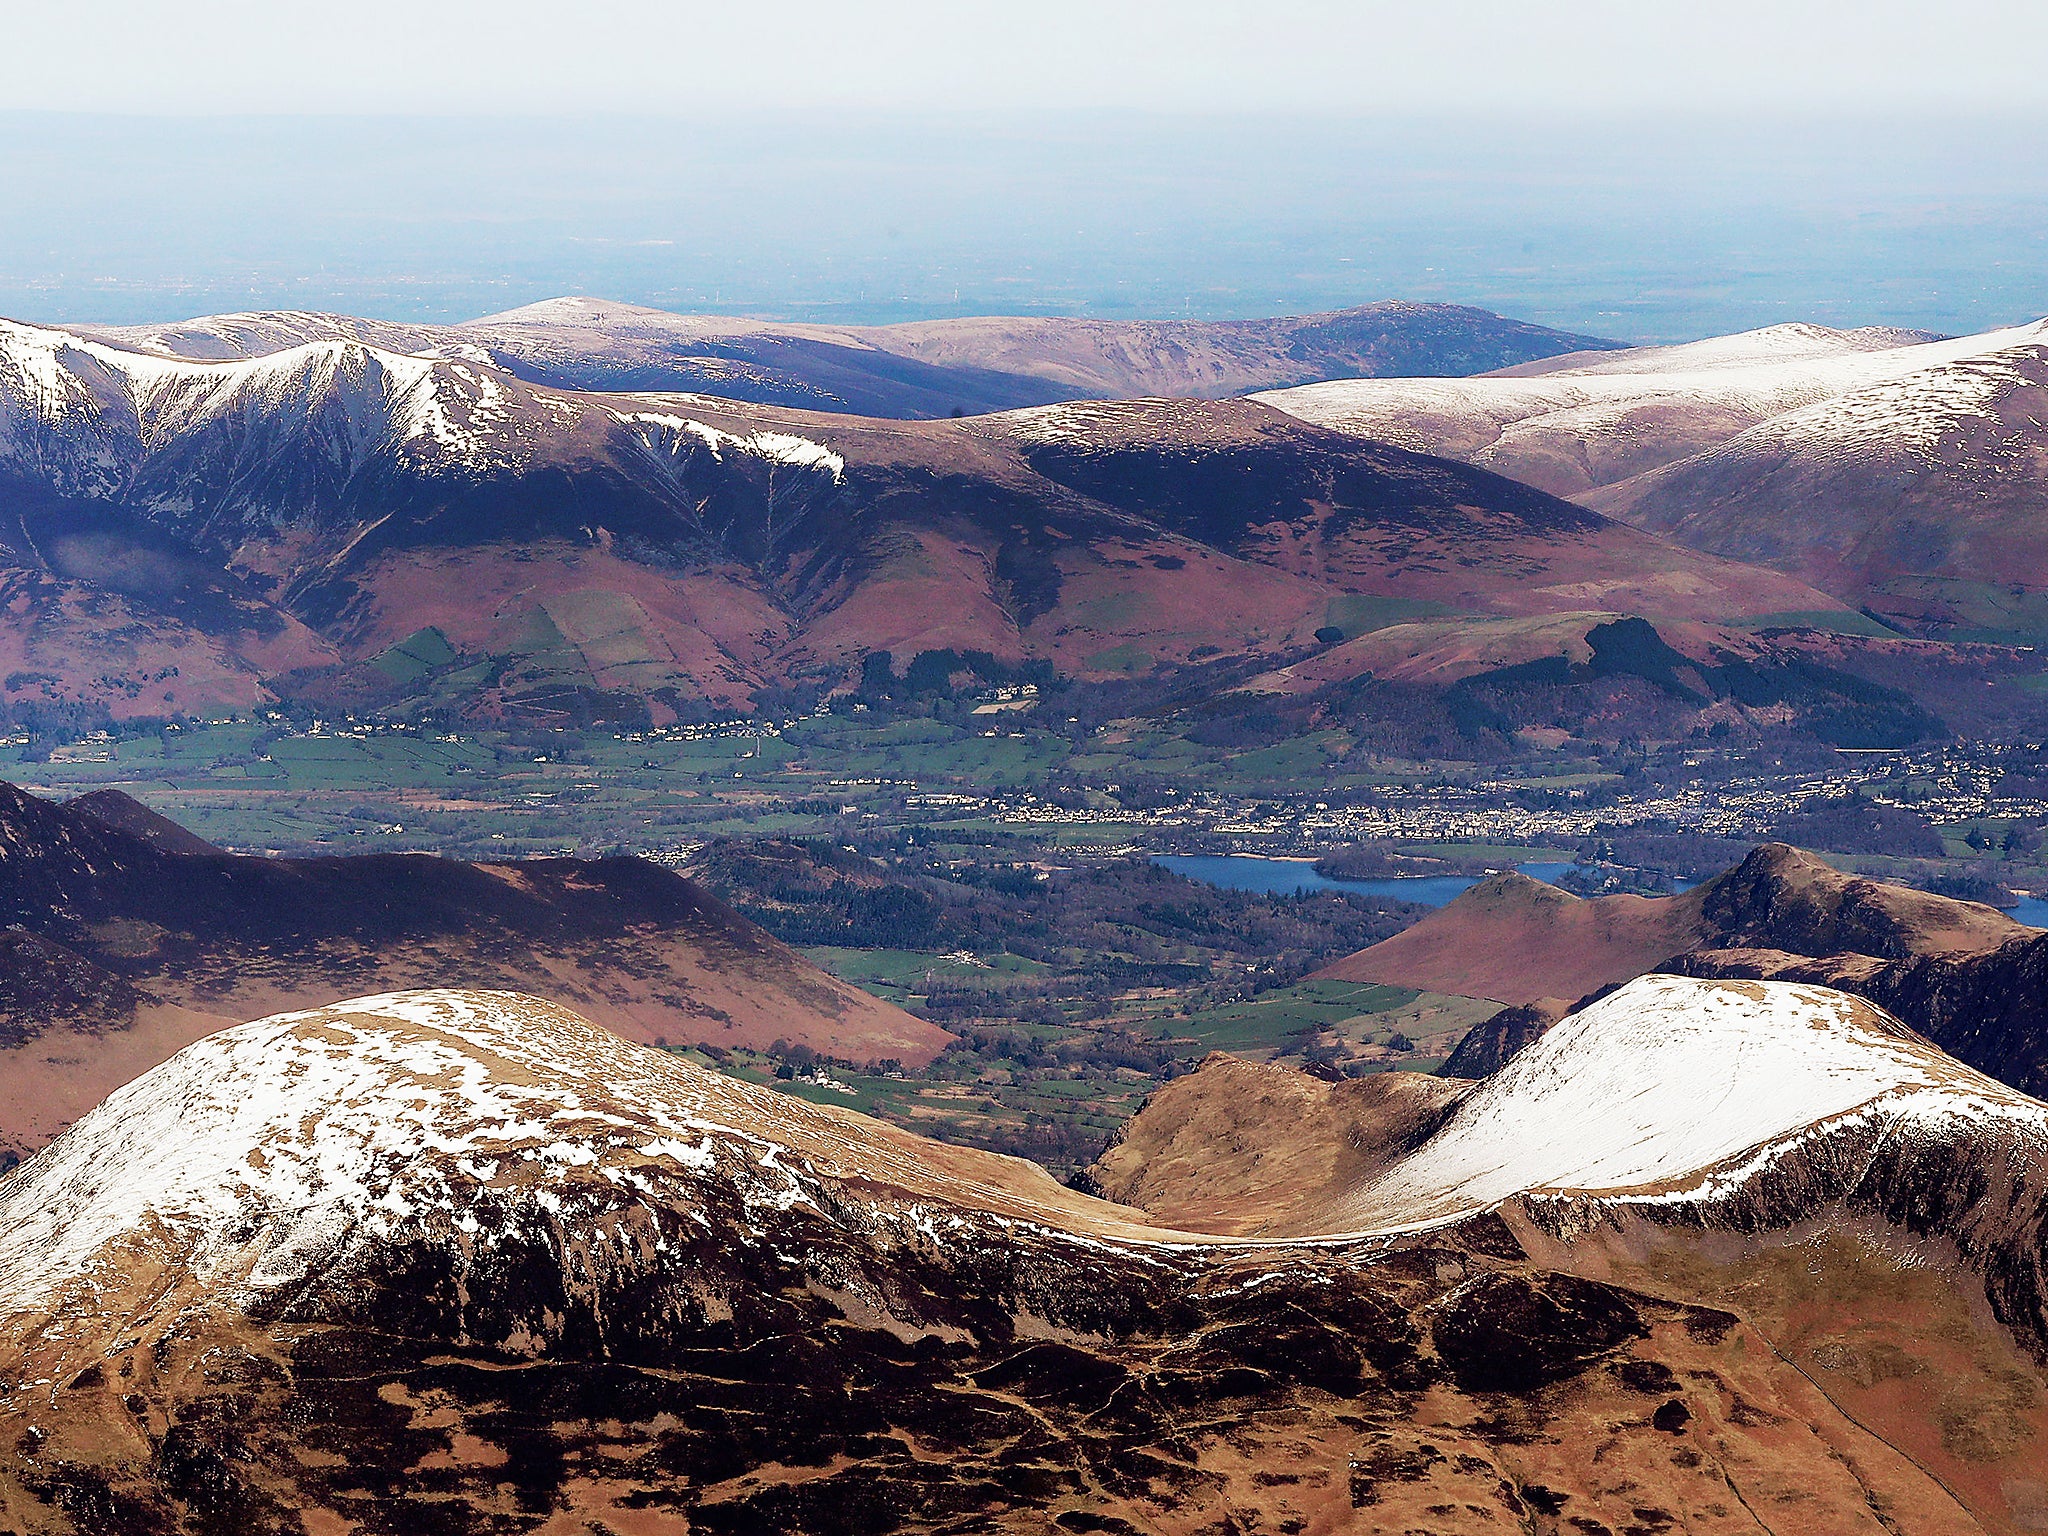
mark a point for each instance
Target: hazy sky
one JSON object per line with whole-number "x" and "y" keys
{"x": 1630, "y": 168}
{"x": 1365, "y": 56}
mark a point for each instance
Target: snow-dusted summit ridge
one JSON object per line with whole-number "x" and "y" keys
{"x": 300, "y": 1145}
{"x": 92, "y": 420}
{"x": 270, "y": 1151}
{"x": 1796, "y": 386}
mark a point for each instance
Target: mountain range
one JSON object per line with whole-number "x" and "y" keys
{"x": 930, "y": 368}
{"x": 1928, "y": 456}
{"x": 1708, "y": 1255}
{"x": 183, "y": 535}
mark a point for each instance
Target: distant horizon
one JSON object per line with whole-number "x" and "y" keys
{"x": 769, "y": 318}
{"x": 1669, "y": 228}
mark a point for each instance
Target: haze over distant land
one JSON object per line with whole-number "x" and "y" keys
{"x": 1644, "y": 229}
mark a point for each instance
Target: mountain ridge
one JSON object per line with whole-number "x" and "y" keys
{"x": 130, "y": 944}
{"x": 587, "y": 1279}
{"x": 633, "y": 555}
{"x": 919, "y": 369}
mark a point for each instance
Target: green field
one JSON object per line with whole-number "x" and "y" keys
{"x": 1274, "y": 1019}
{"x": 902, "y": 974}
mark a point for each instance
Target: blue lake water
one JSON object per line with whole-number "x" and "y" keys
{"x": 1285, "y": 877}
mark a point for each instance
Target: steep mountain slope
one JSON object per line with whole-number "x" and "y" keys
{"x": 933, "y": 368}
{"x": 129, "y": 943}
{"x": 461, "y": 1261}
{"x": 1520, "y": 941}
{"x": 1928, "y": 455}
{"x": 590, "y": 555}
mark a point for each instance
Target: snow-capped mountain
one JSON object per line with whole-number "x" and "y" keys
{"x": 89, "y": 421}
{"x": 526, "y": 1238}
{"x": 593, "y": 553}
{"x": 1928, "y": 456}
{"x": 301, "y": 1148}
{"x": 1668, "y": 1092}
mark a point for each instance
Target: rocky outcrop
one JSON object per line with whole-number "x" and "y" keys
{"x": 1492, "y": 1043}
{"x": 1783, "y": 898}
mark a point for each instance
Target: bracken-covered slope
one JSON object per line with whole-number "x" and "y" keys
{"x": 1518, "y": 940}
{"x": 127, "y": 943}
{"x": 463, "y": 1262}
{"x": 185, "y": 534}
{"x": 1928, "y": 456}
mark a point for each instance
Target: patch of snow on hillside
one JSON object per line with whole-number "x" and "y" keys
{"x": 31, "y": 370}
{"x": 1068, "y": 422}
{"x": 1105, "y": 421}
{"x": 798, "y": 452}
{"x": 775, "y": 447}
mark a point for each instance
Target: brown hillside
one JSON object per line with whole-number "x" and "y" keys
{"x": 1518, "y": 941}
{"x": 1253, "y": 1150}
{"x": 459, "y": 1262}
{"x": 618, "y": 556}
{"x": 125, "y": 946}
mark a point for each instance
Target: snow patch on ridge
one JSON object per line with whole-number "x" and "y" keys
{"x": 1913, "y": 416}
{"x": 280, "y": 1150}
{"x": 775, "y": 447}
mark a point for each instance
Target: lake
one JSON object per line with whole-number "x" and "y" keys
{"x": 1285, "y": 877}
